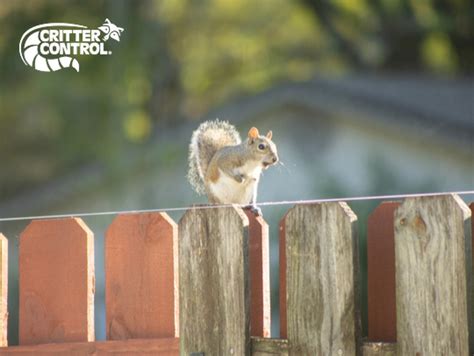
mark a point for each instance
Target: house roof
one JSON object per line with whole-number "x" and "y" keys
{"x": 440, "y": 108}
{"x": 450, "y": 101}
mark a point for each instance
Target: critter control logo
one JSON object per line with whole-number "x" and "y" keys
{"x": 52, "y": 46}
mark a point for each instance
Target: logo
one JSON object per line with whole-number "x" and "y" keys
{"x": 53, "y": 46}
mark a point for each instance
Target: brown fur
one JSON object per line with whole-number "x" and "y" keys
{"x": 213, "y": 172}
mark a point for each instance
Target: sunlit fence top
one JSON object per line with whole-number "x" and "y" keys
{"x": 203, "y": 285}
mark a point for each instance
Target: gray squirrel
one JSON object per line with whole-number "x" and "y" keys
{"x": 226, "y": 169}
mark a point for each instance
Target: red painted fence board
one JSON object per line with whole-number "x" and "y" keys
{"x": 382, "y": 323}
{"x": 282, "y": 273}
{"x": 56, "y": 287}
{"x": 141, "y": 264}
{"x": 259, "y": 267}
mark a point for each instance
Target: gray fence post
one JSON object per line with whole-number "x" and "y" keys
{"x": 431, "y": 259}
{"x": 214, "y": 282}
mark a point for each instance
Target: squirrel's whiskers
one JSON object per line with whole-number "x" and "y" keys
{"x": 284, "y": 166}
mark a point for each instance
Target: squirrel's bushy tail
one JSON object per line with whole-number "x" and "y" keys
{"x": 209, "y": 137}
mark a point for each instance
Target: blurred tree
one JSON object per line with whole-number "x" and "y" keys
{"x": 226, "y": 48}
{"x": 52, "y": 122}
{"x": 394, "y": 35}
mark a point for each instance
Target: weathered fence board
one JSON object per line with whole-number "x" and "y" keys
{"x": 282, "y": 274}
{"x": 321, "y": 286}
{"x": 431, "y": 276}
{"x": 280, "y": 347}
{"x": 472, "y": 229}
{"x": 141, "y": 268}
{"x": 269, "y": 347}
{"x": 259, "y": 268}
{"x": 132, "y": 347}
{"x": 379, "y": 349}
{"x": 382, "y": 323}
{"x": 469, "y": 246}
{"x": 56, "y": 267}
{"x": 3, "y": 290}
{"x": 214, "y": 285}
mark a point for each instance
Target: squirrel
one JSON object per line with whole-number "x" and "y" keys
{"x": 226, "y": 169}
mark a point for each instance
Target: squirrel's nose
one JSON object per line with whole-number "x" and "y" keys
{"x": 275, "y": 159}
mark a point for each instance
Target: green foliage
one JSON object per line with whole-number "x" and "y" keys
{"x": 52, "y": 122}
{"x": 415, "y": 35}
{"x": 229, "y": 47}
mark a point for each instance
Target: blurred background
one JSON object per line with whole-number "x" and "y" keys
{"x": 364, "y": 97}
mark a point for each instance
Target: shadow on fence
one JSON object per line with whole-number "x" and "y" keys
{"x": 216, "y": 300}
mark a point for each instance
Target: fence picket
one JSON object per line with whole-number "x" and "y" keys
{"x": 431, "y": 292}
{"x": 472, "y": 229}
{"x": 214, "y": 283}
{"x": 382, "y": 325}
{"x": 56, "y": 286}
{"x": 259, "y": 267}
{"x": 321, "y": 290}
{"x": 282, "y": 277}
{"x": 3, "y": 290}
{"x": 141, "y": 266}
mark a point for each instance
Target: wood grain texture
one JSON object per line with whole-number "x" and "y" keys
{"x": 259, "y": 267}
{"x": 214, "y": 282}
{"x": 282, "y": 278}
{"x": 379, "y": 349}
{"x": 56, "y": 282}
{"x": 322, "y": 265}
{"x": 132, "y": 347}
{"x": 469, "y": 226}
{"x": 141, "y": 266}
{"x": 431, "y": 276}
{"x": 382, "y": 322}
{"x": 3, "y": 290}
{"x": 471, "y": 206}
{"x": 269, "y": 347}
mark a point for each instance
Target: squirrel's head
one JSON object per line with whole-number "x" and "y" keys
{"x": 263, "y": 147}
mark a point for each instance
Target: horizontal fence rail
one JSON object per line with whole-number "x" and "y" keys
{"x": 202, "y": 286}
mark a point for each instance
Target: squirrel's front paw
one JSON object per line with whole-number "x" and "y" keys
{"x": 255, "y": 210}
{"x": 239, "y": 178}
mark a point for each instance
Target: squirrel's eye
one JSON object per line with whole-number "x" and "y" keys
{"x": 261, "y": 146}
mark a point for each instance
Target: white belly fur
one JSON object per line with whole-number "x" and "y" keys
{"x": 228, "y": 191}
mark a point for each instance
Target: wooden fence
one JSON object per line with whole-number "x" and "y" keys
{"x": 202, "y": 287}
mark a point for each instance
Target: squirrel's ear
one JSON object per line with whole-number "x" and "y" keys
{"x": 253, "y": 133}
{"x": 269, "y": 135}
